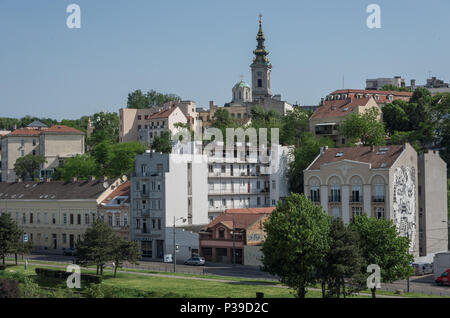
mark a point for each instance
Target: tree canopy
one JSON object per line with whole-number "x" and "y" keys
{"x": 27, "y": 167}
{"x": 140, "y": 100}
{"x": 296, "y": 242}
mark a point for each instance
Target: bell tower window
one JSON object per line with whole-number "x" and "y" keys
{"x": 259, "y": 82}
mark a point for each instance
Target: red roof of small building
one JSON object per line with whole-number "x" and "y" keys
{"x": 24, "y": 132}
{"x": 62, "y": 129}
{"x": 163, "y": 114}
{"x": 380, "y": 157}
{"x": 340, "y": 107}
{"x": 243, "y": 218}
{"x": 122, "y": 190}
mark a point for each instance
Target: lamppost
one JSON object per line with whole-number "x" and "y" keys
{"x": 174, "y": 242}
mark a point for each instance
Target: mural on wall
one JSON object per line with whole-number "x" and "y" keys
{"x": 404, "y": 203}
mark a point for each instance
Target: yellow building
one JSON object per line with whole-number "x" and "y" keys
{"x": 54, "y": 214}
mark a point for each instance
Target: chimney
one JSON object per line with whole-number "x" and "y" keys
{"x": 104, "y": 178}
{"x": 74, "y": 179}
{"x": 48, "y": 179}
{"x": 19, "y": 180}
{"x": 323, "y": 149}
{"x": 372, "y": 148}
{"x": 91, "y": 178}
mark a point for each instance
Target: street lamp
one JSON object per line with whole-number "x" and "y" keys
{"x": 174, "y": 242}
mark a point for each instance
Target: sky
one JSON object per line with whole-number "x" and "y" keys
{"x": 198, "y": 49}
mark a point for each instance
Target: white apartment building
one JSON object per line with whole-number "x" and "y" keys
{"x": 246, "y": 183}
{"x": 198, "y": 187}
{"x": 164, "y": 188}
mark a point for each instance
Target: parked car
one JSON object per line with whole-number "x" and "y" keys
{"x": 195, "y": 261}
{"x": 69, "y": 251}
{"x": 444, "y": 279}
{"x": 422, "y": 268}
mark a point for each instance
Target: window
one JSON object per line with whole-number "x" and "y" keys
{"x": 153, "y": 223}
{"x": 39, "y": 218}
{"x": 71, "y": 219}
{"x": 378, "y": 191}
{"x": 159, "y": 224}
{"x": 210, "y": 168}
{"x": 259, "y": 82}
{"x": 117, "y": 220}
{"x": 86, "y": 218}
{"x": 24, "y": 219}
{"x": 379, "y": 213}
{"x": 31, "y": 217}
{"x": 221, "y": 233}
{"x": 22, "y": 142}
{"x": 224, "y": 202}
{"x": 315, "y": 194}
{"x": 64, "y": 238}
{"x": 125, "y": 220}
{"x": 356, "y": 193}
{"x": 336, "y": 212}
{"x": 46, "y": 218}
{"x": 258, "y": 201}
{"x": 223, "y": 168}
{"x": 138, "y": 224}
{"x": 211, "y": 203}
{"x": 356, "y": 211}
{"x": 274, "y": 184}
{"x": 78, "y": 218}
{"x": 335, "y": 193}
{"x": 65, "y": 218}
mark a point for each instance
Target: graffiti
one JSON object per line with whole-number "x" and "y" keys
{"x": 404, "y": 203}
{"x": 254, "y": 237}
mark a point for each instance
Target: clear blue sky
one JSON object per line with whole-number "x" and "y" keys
{"x": 198, "y": 48}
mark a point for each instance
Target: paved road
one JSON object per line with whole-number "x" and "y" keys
{"x": 419, "y": 284}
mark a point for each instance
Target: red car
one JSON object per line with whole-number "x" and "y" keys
{"x": 444, "y": 279}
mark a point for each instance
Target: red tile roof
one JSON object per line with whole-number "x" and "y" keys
{"x": 24, "y": 132}
{"x": 163, "y": 114}
{"x": 338, "y": 108}
{"x": 121, "y": 191}
{"x": 251, "y": 210}
{"x": 62, "y": 129}
{"x": 368, "y": 91}
{"x": 243, "y": 218}
{"x": 376, "y": 157}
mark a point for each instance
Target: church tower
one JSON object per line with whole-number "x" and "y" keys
{"x": 261, "y": 68}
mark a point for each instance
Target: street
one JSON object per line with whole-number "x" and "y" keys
{"x": 418, "y": 284}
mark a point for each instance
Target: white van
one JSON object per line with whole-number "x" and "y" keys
{"x": 422, "y": 268}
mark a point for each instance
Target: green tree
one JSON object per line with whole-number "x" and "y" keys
{"x": 296, "y": 241}
{"x": 122, "y": 158}
{"x": 295, "y": 125}
{"x": 340, "y": 272}
{"x": 9, "y": 235}
{"x": 382, "y": 245}
{"x": 139, "y": 100}
{"x": 304, "y": 154}
{"x": 223, "y": 120}
{"x": 163, "y": 143}
{"x": 365, "y": 127}
{"x": 390, "y": 87}
{"x": 80, "y": 166}
{"x": 106, "y": 127}
{"x": 266, "y": 119}
{"x": 124, "y": 251}
{"x": 28, "y": 166}
{"x": 395, "y": 116}
{"x": 96, "y": 246}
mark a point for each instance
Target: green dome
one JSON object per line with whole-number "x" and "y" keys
{"x": 241, "y": 84}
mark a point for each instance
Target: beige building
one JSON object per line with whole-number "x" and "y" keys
{"x": 381, "y": 182}
{"x": 115, "y": 210}
{"x": 325, "y": 120}
{"x": 384, "y": 182}
{"x": 54, "y": 214}
{"x": 55, "y": 144}
{"x": 132, "y": 121}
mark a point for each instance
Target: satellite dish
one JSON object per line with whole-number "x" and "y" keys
{"x": 124, "y": 178}
{"x": 105, "y": 185}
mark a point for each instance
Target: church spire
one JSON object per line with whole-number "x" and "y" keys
{"x": 260, "y": 52}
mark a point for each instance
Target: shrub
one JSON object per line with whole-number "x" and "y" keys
{"x": 51, "y": 273}
{"x": 9, "y": 288}
{"x": 30, "y": 289}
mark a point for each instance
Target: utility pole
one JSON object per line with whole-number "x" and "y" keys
{"x": 234, "y": 242}
{"x": 174, "y": 248}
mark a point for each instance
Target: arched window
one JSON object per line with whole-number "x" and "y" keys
{"x": 335, "y": 190}
{"x": 378, "y": 189}
{"x": 356, "y": 195}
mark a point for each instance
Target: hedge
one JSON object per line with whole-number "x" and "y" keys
{"x": 87, "y": 278}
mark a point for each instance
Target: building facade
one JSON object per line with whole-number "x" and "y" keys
{"x": 54, "y": 214}
{"x": 166, "y": 188}
{"x": 225, "y": 239}
{"x": 382, "y": 182}
{"x": 55, "y": 144}
{"x": 378, "y": 83}
{"x": 115, "y": 210}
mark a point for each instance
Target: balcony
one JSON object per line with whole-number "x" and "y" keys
{"x": 355, "y": 199}
{"x": 378, "y": 198}
{"x": 334, "y": 199}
